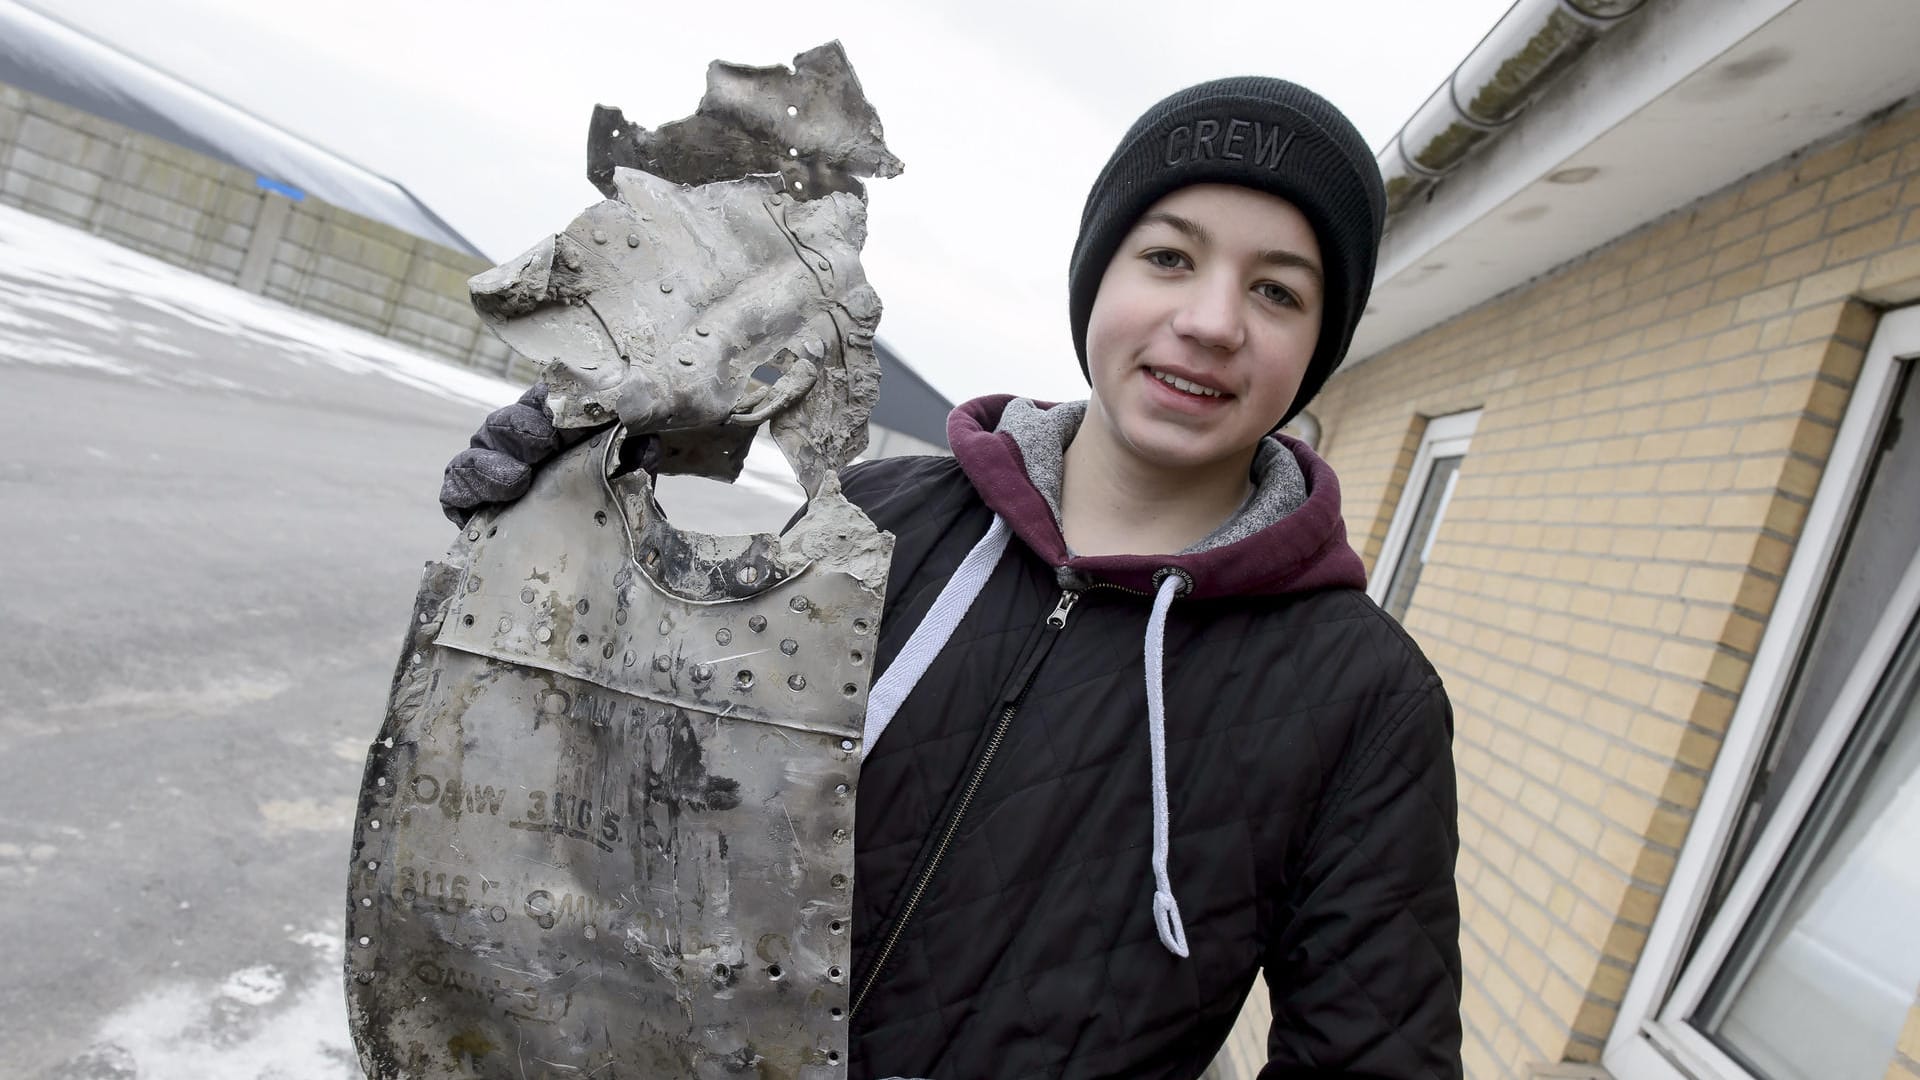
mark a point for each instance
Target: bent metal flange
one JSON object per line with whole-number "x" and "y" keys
{"x": 607, "y": 826}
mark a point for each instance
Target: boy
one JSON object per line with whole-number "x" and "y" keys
{"x": 1137, "y": 731}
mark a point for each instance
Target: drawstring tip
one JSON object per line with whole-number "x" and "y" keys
{"x": 1166, "y": 919}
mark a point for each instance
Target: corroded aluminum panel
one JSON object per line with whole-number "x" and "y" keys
{"x": 607, "y": 829}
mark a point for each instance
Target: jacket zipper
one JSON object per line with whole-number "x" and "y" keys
{"x": 1056, "y": 620}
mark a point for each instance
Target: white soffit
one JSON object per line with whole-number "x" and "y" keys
{"x": 1681, "y": 101}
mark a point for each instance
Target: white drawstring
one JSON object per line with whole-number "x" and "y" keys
{"x": 893, "y": 686}
{"x": 1166, "y": 910}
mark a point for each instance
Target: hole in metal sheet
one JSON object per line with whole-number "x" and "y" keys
{"x": 850, "y": 690}
{"x": 581, "y": 607}
{"x": 466, "y": 620}
{"x": 599, "y": 517}
{"x": 743, "y": 679}
{"x": 774, "y": 972}
{"x": 861, "y": 626}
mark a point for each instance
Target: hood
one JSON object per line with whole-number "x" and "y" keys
{"x": 1305, "y": 551}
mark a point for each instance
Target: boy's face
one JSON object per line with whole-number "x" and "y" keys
{"x": 1217, "y": 287}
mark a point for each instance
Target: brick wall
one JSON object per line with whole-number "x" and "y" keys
{"x": 1656, "y": 418}
{"x": 213, "y": 218}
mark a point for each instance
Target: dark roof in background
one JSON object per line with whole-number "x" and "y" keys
{"x": 907, "y": 404}
{"x": 42, "y": 55}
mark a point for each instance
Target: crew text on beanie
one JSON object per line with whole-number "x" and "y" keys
{"x": 1262, "y": 133}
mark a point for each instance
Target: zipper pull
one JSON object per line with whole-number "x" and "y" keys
{"x": 1058, "y": 618}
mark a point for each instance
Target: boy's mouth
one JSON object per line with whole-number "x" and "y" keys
{"x": 1187, "y": 386}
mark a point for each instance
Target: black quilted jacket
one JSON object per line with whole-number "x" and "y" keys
{"x": 1003, "y": 924}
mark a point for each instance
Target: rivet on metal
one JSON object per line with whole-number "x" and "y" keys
{"x": 825, "y": 265}
{"x": 799, "y": 603}
{"x": 620, "y": 617}
{"x": 473, "y": 585}
{"x": 789, "y": 646}
{"x": 506, "y": 623}
{"x": 581, "y": 607}
{"x": 723, "y": 636}
{"x": 661, "y": 663}
{"x": 757, "y": 623}
{"x": 599, "y": 237}
{"x": 838, "y": 881}
{"x": 702, "y": 672}
{"x": 473, "y": 534}
{"x": 846, "y": 744}
{"x": 796, "y": 682}
{"x": 628, "y": 659}
{"x": 701, "y": 330}
{"x": 666, "y": 626}
{"x": 374, "y": 824}
{"x": 666, "y": 287}
{"x": 467, "y": 619}
{"x": 860, "y": 626}
{"x": 543, "y": 634}
{"x": 633, "y": 239}
{"x": 839, "y": 789}
{"x": 748, "y": 575}
{"x": 526, "y": 596}
{"x": 839, "y": 836}
{"x": 606, "y": 652}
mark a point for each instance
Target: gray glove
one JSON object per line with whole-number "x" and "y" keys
{"x": 498, "y": 465}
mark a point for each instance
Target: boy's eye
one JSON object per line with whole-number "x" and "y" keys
{"x": 1166, "y": 259}
{"x": 1279, "y": 294}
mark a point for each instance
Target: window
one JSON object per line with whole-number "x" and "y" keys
{"x": 1423, "y": 504}
{"x": 1787, "y": 947}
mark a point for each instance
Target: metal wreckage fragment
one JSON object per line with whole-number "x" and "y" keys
{"x": 606, "y": 829}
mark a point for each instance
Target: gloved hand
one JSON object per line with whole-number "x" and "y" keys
{"x": 514, "y": 441}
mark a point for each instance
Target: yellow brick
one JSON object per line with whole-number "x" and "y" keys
{"x": 1829, "y": 161}
{"x": 1895, "y": 267}
{"x": 1802, "y": 230}
{"x": 1829, "y": 284}
{"x": 1869, "y": 239}
{"x": 1796, "y": 264}
{"x": 1871, "y": 173}
{"x": 1790, "y": 207}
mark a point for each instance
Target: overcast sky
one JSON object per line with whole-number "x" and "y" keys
{"x": 1003, "y": 111}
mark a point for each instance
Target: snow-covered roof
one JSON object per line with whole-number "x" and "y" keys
{"x": 44, "y": 56}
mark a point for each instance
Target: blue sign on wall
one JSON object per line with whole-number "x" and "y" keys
{"x": 279, "y": 188}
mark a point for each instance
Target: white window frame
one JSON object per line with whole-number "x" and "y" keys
{"x": 1651, "y": 1039}
{"x": 1446, "y": 437}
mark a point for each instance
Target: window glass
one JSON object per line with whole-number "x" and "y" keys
{"x": 1426, "y": 522}
{"x": 1819, "y": 984}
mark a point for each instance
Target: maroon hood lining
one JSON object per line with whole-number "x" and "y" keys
{"x": 1304, "y": 552}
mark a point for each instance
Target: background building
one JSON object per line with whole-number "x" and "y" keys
{"x": 1627, "y": 441}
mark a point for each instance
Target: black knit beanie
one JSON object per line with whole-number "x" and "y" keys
{"x": 1262, "y": 133}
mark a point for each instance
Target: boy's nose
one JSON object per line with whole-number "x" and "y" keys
{"x": 1212, "y": 314}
